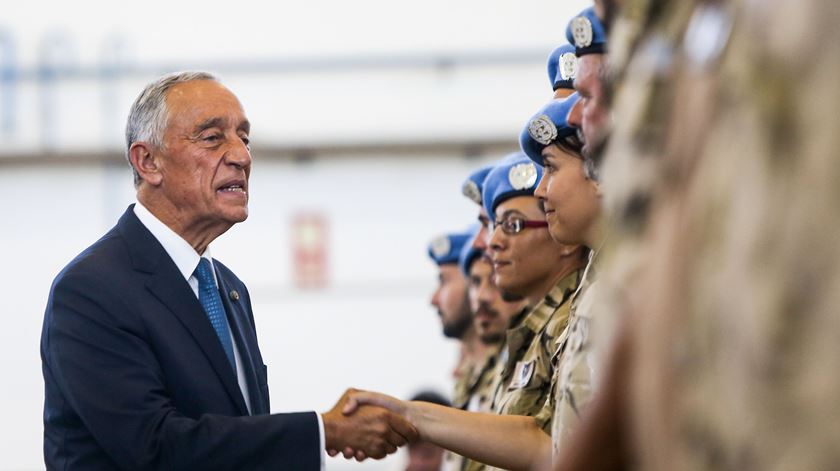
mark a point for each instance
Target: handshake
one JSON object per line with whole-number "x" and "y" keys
{"x": 366, "y": 425}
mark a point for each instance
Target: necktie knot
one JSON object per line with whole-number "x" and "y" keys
{"x": 204, "y": 273}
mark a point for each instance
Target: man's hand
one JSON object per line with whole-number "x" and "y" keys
{"x": 368, "y": 432}
{"x": 356, "y": 399}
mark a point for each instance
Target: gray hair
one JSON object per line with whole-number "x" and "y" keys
{"x": 148, "y": 116}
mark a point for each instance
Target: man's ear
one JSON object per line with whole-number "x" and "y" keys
{"x": 597, "y": 186}
{"x": 146, "y": 163}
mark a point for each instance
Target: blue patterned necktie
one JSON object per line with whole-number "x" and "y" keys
{"x": 210, "y": 300}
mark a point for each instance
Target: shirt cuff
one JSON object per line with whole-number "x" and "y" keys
{"x": 323, "y": 442}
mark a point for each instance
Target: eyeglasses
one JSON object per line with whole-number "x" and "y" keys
{"x": 515, "y": 225}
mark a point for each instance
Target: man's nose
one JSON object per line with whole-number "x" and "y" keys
{"x": 239, "y": 154}
{"x": 435, "y": 301}
{"x": 480, "y": 241}
{"x": 575, "y": 118}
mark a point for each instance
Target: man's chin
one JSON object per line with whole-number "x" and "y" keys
{"x": 490, "y": 338}
{"x": 510, "y": 295}
{"x": 235, "y": 215}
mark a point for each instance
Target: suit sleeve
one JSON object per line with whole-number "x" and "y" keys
{"x": 109, "y": 376}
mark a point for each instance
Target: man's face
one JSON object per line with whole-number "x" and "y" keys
{"x": 590, "y": 114}
{"x": 491, "y": 313}
{"x": 206, "y": 160}
{"x": 524, "y": 260}
{"x": 450, "y": 300}
{"x": 571, "y": 201}
{"x": 483, "y": 237}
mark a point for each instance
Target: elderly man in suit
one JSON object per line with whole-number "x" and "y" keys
{"x": 149, "y": 349}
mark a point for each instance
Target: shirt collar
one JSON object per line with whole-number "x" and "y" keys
{"x": 542, "y": 313}
{"x": 178, "y": 249}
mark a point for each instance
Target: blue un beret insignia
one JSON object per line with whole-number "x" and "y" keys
{"x": 582, "y": 31}
{"x": 440, "y": 247}
{"x": 542, "y": 130}
{"x": 567, "y": 65}
{"x": 522, "y": 176}
{"x": 472, "y": 191}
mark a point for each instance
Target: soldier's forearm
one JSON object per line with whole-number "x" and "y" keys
{"x": 505, "y": 441}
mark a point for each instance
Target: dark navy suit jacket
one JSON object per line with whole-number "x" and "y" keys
{"x": 136, "y": 378}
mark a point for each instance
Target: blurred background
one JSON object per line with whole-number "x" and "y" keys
{"x": 367, "y": 116}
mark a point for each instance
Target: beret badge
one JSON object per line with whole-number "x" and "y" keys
{"x": 568, "y": 66}
{"x": 441, "y": 247}
{"x": 471, "y": 191}
{"x": 523, "y": 176}
{"x": 582, "y": 31}
{"x": 542, "y": 130}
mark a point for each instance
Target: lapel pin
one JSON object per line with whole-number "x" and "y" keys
{"x": 234, "y": 295}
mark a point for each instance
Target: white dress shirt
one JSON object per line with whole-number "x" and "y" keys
{"x": 186, "y": 259}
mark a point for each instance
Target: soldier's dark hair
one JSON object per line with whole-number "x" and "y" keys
{"x": 571, "y": 145}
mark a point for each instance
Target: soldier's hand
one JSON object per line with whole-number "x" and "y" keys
{"x": 356, "y": 399}
{"x": 370, "y": 431}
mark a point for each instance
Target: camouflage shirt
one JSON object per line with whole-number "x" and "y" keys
{"x": 736, "y": 320}
{"x": 573, "y": 362}
{"x": 524, "y": 379}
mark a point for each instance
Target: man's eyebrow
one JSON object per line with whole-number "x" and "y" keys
{"x": 244, "y": 126}
{"x": 216, "y": 122}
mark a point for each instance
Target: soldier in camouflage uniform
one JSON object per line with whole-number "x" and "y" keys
{"x": 523, "y": 377}
{"x": 577, "y": 361}
{"x": 452, "y": 303}
{"x": 547, "y": 277}
{"x": 746, "y": 217}
{"x": 493, "y": 314}
{"x": 491, "y": 318}
{"x": 642, "y": 68}
{"x": 732, "y": 328}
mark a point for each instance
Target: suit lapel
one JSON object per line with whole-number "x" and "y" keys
{"x": 183, "y": 304}
{"x": 168, "y": 285}
{"x": 239, "y": 325}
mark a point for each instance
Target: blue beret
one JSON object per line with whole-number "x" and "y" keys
{"x": 469, "y": 253}
{"x": 514, "y": 176}
{"x": 562, "y": 67}
{"x": 547, "y": 126}
{"x": 474, "y": 183}
{"x": 447, "y": 247}
{"x": 587, "y": 33}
